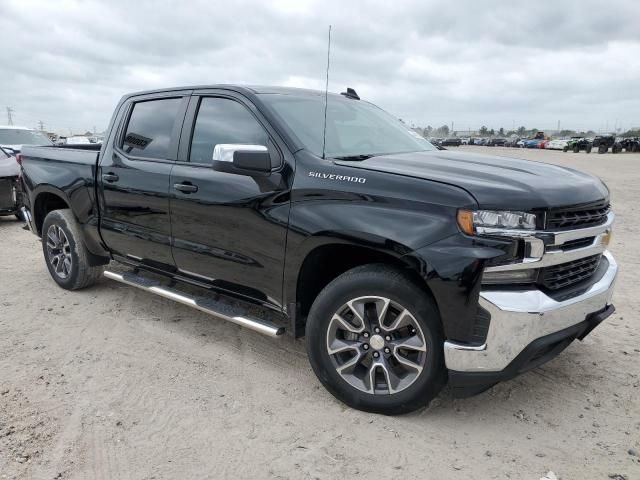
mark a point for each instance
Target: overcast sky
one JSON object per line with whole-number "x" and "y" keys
{"x": 429, "y": 62}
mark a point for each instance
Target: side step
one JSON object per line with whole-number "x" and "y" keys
{"x": 212, "y": 307}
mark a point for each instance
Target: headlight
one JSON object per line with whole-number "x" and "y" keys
{"x": 469, "y": 220}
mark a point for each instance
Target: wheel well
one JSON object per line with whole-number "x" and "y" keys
{"x": 45, "y": 203}
{"x": 326, "y": 263}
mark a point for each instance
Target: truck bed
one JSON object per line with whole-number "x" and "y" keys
{"x": 61, "y": 154}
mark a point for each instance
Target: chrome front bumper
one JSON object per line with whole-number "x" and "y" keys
{"x": 520, "y": 317}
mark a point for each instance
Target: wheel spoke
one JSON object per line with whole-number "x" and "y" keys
{"x": 392, "y": 379}
{"x": 408, "y": 363}
{"x": 340, "y": 345}
{"x": 52, "y": 239}
{"x": 59, "y": 263}
{"x": 357, "y": 308}
{"x": 66, "y": 265}
{"x": 347, "y": 367}
{"x": 403, "y": 319}
{"x": 410, "y": 343}
{"x": 346, "y": 325}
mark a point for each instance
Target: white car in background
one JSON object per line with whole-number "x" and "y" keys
{"x": 13, "y": 138}
{"x": 557, "y": 144}
{"x": 78, "y": 140}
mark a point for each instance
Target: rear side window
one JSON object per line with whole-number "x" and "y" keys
{"x": 150, "y": 127}
{"x": 221, "y": 120}
{"x": 3, "y": 155}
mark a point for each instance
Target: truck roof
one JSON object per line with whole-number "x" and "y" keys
{"x": 251, "y": 89}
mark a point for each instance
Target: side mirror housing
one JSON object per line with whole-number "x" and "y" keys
{"x": 251, "y": 160}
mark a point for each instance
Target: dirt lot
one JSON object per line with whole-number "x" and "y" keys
{"x": 112, "y": 382}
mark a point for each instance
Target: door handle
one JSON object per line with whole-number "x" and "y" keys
{"x": 185, "y": 187}
{"x": 110, "y": 177}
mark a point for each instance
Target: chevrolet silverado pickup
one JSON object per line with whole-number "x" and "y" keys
{"x": 290, "y": 212}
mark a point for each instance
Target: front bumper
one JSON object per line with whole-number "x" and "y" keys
{"x": 528, "y": 328}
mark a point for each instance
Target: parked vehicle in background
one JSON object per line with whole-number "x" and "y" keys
{"x": 511, "y": 142}
{"x": 522, "y": 143}
{"x": 451, "y": 142}
{"x": 496, "y": 142}
{"x": 630, "y": 144}
{"x": 9, "y": 194}
{"x": 605, "y": 142}
{"x": 576, "y": 144}
{"x": 13, "y": 138}
{"x": 465, "y": 140}
{"x": 539, "y": 136}
{"x": 557, "y": 144}
{"x": 533, "y": 143}
{"x": 78, "y": 140}
{"x": 479, "y": 141}
{"x": 403, "y": 266}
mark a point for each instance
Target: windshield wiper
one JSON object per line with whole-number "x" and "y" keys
{"x": 355, "y": 157}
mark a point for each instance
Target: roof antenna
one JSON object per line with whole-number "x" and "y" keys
{"x": 326, "y": 97}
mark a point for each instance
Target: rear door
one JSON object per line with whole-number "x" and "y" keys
{"x": 229, "y": 230}
{"x": 134, "y": 178}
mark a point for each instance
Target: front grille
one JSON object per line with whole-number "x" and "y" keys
{"x": 572, "y": 244}
{"x": 582, "y": 216}
{"x": 565, "y": 274}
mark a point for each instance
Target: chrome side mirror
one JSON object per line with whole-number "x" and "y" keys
{"x": 242, "y": 159}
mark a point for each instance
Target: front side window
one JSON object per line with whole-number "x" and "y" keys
{"x": 150, "y": 127}
{"x": 223, "y": 121}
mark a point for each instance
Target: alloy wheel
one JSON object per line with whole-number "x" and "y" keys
{"x": 376, "y": 345}
{"x": 59, "y": 251}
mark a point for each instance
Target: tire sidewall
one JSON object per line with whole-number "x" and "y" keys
{"x": 56, "y": 218}
{"x": 422, "y": 307}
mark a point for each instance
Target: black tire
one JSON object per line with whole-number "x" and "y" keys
{"x": 19, "y": 216}
{"x": 80, "y": 274}
{"x": 576, "y": 149}
{"x": 565, "y": 149}
{"x": 588, "y": 149}
{"x": 383, "y": 281}
{"x": 602, "y": 149}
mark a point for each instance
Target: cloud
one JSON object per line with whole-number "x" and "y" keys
{"x": 429, "y": 62}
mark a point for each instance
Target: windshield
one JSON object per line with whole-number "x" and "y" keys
{"x": 354, "y": 128}
{"x": 15, "y": 136}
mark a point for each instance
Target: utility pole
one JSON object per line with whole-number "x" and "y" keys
{"x": 41, "y": 125}
{"x": 9, "y": 116}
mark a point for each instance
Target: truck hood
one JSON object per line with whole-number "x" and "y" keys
{"x": 495, "y": 182}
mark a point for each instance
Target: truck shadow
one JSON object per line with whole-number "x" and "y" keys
{"x": 547, "y": 387}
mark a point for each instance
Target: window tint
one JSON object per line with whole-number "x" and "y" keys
{"x": 221, "y": 120}
{"x": 3, "y": 155}
{"x": 150, "y": 125}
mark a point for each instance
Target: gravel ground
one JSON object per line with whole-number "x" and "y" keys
{"x": 111, "y": 382}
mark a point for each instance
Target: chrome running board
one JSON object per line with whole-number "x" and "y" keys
{"x": 213, "y": 307}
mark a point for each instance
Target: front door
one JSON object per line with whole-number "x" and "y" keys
{"x": 229, "y": 229}
{"x": 134, "y": 178}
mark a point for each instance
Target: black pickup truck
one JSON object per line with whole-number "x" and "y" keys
{"x": 404, "y": 266}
